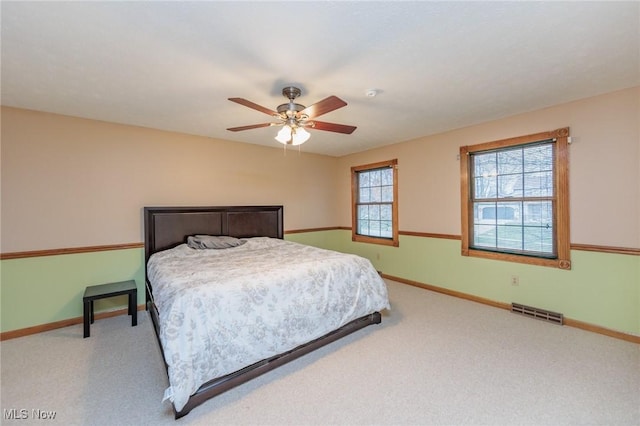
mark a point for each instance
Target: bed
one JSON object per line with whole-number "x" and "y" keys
{"x": 231, "y": 314}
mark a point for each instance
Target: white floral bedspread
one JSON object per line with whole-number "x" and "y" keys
{"x": 222, "y": 310}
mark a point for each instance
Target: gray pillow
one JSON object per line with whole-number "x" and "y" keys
{"x": 213, "y": 242}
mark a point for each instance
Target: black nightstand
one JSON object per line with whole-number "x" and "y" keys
{"x": 101, "y": 291}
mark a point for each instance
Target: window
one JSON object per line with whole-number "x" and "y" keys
{"x": 374, "y": 194}
{"x": 515, "y": 199}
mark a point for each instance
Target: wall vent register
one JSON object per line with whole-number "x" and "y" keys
{"x": 537, "y": 313}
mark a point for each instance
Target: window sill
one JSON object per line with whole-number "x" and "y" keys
{"x": 529, "y": 260}
{"x": 374, "y": 240}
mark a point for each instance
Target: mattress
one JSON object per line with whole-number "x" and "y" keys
{"x": 221, "y": 310}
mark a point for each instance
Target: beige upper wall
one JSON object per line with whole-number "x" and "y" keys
{"x": 604, "y": 169}
{"x": 70, "y": 182}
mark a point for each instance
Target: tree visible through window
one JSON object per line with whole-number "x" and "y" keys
{"x": 515, "y": 199}
{"x": 374, "y": 210}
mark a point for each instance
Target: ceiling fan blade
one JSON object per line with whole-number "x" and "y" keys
{"x": 252, "y": 105}
{"x": 333, "y": 127}
{"x": 324, "y": 106}
{"x": 252, "y": 126}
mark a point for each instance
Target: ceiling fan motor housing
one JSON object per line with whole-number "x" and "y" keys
{"x": 293, "y": 107}
{"x": 291, "y": 110}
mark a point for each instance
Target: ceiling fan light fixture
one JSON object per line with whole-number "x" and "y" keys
{"x": 284, "y": 135}
{"x": 292, "y": 135}
{"x": 299, "y": 136}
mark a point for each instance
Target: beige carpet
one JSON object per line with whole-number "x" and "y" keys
{"x": 435, "y": 360}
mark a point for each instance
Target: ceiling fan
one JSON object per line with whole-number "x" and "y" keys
{"x": 295, "y": 117}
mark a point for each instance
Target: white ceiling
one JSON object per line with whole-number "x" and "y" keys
{"x": 436, "y": 65}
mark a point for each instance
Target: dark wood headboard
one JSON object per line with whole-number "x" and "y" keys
{"x": 167, "y": 227}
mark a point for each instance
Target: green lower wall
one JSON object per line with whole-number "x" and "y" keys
{"x": 42, "y": 290}
{"x": 601, "y": 289}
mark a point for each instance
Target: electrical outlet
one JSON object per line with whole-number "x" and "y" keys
{"x": 515, "y": 280}
{"x": 377, "y": 256}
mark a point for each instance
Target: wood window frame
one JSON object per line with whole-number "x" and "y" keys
{"x": 560, "y": 201}
{"x": 393, "y": 241}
